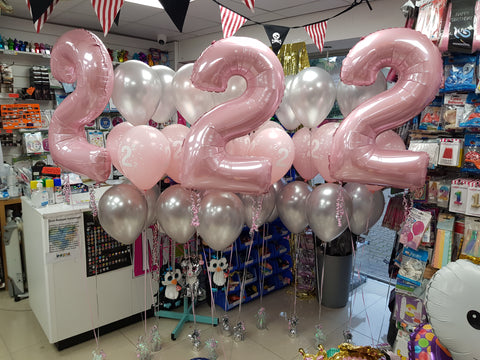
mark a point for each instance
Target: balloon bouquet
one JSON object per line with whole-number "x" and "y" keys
{"x": 228, "y": 95}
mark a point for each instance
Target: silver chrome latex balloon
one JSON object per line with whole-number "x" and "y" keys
{"x": 291, "y": 200}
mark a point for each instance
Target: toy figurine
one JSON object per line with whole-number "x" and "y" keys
{"x": 1, "y": 42}
{"x": 37, "y": 48}
{"x": 149, "y": 59}
{"x": 16, "y": 45}
{"x": 24, "y": 46}
{"x": 10, "y": 44}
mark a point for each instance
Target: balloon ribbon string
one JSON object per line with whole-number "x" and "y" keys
{"x": 212, "y": 300}
{"x": 262, "y": 266}
{"x": 145, "y": 266}
{"x": 244, "y": 276}
{"x": 322, "y": 281}
{"x": 295, "y": 243}
{"x": 229, "y": 277}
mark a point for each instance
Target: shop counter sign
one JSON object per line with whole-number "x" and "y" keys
{"x": 64, "y": 238}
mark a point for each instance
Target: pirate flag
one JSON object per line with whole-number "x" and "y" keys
{"x": 276, "y": 34}
{"x": 176, "y": 10}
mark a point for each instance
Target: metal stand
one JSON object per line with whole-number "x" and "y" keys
{"x": 184, "y": 317}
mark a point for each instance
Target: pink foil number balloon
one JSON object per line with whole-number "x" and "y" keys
{"x": 355, "y": 157}
{"x": 206, "y": 164}
{"x": 80, "y": 56}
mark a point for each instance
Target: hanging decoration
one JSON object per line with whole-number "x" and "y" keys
{"x": 117, "y": 18}
{"x": 177, "y": 11}
{"x": 317, "y": 32}
{"x": 231, "y": 21}
{"x": 276, "y": 34}
{"x": 40, "y": 11}
{"x": 106, "y": 11}
{"x": 294, "y": 58}
{"x": 250, "y": 4}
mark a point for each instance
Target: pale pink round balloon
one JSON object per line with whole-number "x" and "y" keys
{"x": 277, "y": 146}
{"x": 238, "y": 146}
{"x": 266, "y": 125}
{"x": 114, "y": 139}
{"x": 144, "y": 155}
{"x": 322, "y": 138}
{"x": 175, "y": 134}
{"x": 303, "y": 162}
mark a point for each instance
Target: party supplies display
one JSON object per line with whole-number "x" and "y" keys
{"x": 430, "y": 146}
{"x": 95, "y": 137}
{"x": 460, "y": 73}
{"x": 104, "y": 123}
{"x": 412, "y": 231}
{"x": 458, "y": 196}
{"x": 471, "y": 242}
{"x": 429, "y": 20}
{"x": 450, "y": 153}
{"x": 473, "y": 198}
{"x": 443, "y": 194}
{"x": 420, "y": 193}
{"x": 471, "y": 162}
{"x": 409, "y": 310}
{"x": 430, "y": 118}
{"x": 458, "y": 232}
{"x": 413, "y": 265}
{"x": 452, "y": 110}
{"x": 442, "y": 252}
{"x": 433, "y": 185}
{"x": 33, "y": 142}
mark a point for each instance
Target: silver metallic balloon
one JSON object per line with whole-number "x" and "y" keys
{"x": 273, "y": 216}
{"x": 350, "y": 96}
{"x": 236, "y": 86}
{"x": 152, "y": 195}
{"x": 322, "y": 211}
{"x": 312, "y": 95}
{"x": 221, "y": 218}
{"x": 174, "y": 213}
{"x": 291, "y": 201}
{"x": 284, "y": 113}
{"x": 122, "y": 212}
{"x": 136, "y": 92}
{"x": 362, "y": 206}
{"x": 190, "y": 101}
{"x": 166, "y": 106}
{"x": 378, "y": 205}
{"x": 250, "y": 204}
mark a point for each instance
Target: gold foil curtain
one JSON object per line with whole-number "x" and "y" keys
{"x": 294, "y": 58}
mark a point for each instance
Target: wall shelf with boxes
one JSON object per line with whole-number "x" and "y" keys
{"x": 270, "y": 264}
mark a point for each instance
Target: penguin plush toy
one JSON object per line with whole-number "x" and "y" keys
{"x": 170, "y": 291}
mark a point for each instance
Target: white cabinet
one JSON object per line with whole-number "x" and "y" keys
{"x": 65, "y": 301}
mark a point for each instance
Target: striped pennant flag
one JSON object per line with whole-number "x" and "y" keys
{"x": 231, "y": 21}
{"x": 250, "y": 4}
{"x": 40, "y": 12}
{"x": 106, "y": 11}
{"x": 317, "y": 33}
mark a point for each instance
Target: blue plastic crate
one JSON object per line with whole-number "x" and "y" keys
{"x": 284, "y": 278}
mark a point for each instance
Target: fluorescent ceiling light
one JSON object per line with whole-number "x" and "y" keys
{"x": 151, "y": 3}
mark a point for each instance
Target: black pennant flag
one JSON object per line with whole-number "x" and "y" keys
{"x": 177, "y": 10}
{"x": 117, "y": 18}
{"x": 39, "y": 7}
{"x": 276, "y": 34}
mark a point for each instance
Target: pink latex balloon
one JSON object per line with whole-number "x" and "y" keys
{"x": 238, "y": 146}
{"x": 303, "y": 162}
{"x": 206, "y": 163}
{"x": 80, "y": 56}
{"x": 266, "y": 125}
{"x": 321, "y": 145}
{"x": 354, "y": 156}
{"x": 276, "y": 145}
{"x": 114, "y": 139}
{"x": 144, "y": 155}
{"x": 176, "y": 135}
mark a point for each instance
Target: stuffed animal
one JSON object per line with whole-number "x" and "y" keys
{"x": 169, "y": 292}
{"x": 191, "y": 269}
{"x": 170, "y": 281}
{"x": 218, "y": 267}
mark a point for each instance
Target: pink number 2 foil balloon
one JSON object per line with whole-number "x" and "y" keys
{"x": 206, "y": 164}
{"x": 355, "y": 157}
{"x": 80, "y": 56}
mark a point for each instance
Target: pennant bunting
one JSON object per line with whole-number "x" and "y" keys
{"x": 177, "y": 11}
{"x": 276, "y": 34}
{"x": 250, "y": 4}
{"x": 231, "y": 21}
{"x": 317, "y": 33}
{"x": 106, "y": 11}
{"x": 40, "y": 11}
{"x": 117, "y": 18}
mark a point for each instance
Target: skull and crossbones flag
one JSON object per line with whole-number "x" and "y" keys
{"x": 276, "y": 34}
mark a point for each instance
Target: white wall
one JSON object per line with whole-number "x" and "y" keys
{"x": 352, "y": 25}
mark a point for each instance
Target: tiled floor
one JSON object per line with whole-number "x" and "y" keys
{"x": 22, "y": 338}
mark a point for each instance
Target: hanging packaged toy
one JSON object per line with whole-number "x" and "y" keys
{"x": 471, "y": 162}
{"x": 443, "y": 194}
{"x": 460, "y": 73}
{"x": 430, "y": 16}
{"x": 471, "y": 112}
{"x": 33, "y": 142}
{"x": 430, "y": 146}
{"x": 430, "y": 118}
{"x": 442, "y": 253}
{"x": 433, "y": 191}
{"x": 413, "y": 265}
{"x": 450, "y": 153}
{"x": 458, "y": 196}
{"x": 473, "y": 198}
{"x": 409, "y": 310}
{"x": 412, "y": 230}
{"x": 471, "y": 242}
{"x": 96, "y": 138}
{"x": 452, "y": 110}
